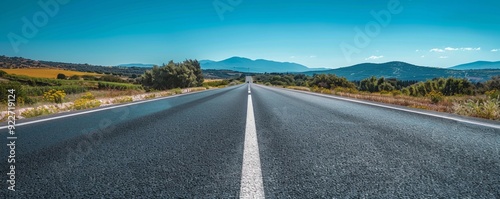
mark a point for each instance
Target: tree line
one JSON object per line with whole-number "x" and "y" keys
{"x": 445, "y": 86}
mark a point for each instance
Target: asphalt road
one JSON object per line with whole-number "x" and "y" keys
{"x": 305, "y": 146}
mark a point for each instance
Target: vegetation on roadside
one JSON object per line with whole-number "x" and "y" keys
{"x": 39, "y": 111}
{"x": 123, "y": 100}
{"x": 41, "y": 90}
{"x": 452, "y": 95}
{"x": 54, "y": 96}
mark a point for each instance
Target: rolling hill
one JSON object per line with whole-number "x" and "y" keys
{"x": 478, "y": 65}
{"x": 405, "y": 71}
{"x": 229, "y": 67}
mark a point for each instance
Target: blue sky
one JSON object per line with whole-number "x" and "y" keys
{"x": 316, "y": 33}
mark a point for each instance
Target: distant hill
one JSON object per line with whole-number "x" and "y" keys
{"x": 229, "y": 67}
{"x": 478, "y": 65}
{"x": 19, "y": 62}
{"x": 405, "y": 71}
{"x": 137, "y": 65}
{"x": 255, "y": 66}
{"x": 131, "y": 70}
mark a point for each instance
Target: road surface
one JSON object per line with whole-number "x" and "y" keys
{"x": 291, "y": 144}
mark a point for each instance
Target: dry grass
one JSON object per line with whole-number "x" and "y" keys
{"x": 46, "y": 72}
{"x": 403, "y": 100}
{"x": 196, "y": 89}
{"x": 116, "y": 93}
{"x": 212, "y": 80}
{"x": 445, "y": 105}
{"x": 473, "y": 106}
{"x": 488, "y": 108}
{"x": 300, "y": 88}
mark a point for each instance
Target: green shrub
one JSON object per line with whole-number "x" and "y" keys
{"x": 177, "y": 90}
{"x": 494, "y": 94}
{"x": 405, "y": 91}
{"x": 436, "y": 97}
{"x": 54, "y": 96}
{"x": 111, "y": 78}
{"x": 74, "y": 77}
{"x": 215, "y": 83}
{"x": 35, "y": 112}
{"x": 89, "y": 77}
{"x": 117, "y": 86}
{"x": 81, "y": 104}
{"x": 61, "y": 76}
{"x": 20, "y": 92}
{"x": 396, "y": 92}
{"x": 88, "y": 96}
{"x": 489, "y": 108}
{"x": 68, "y": 89}
{"x": 384, "y": 92}
{"x": 122, "y": 100}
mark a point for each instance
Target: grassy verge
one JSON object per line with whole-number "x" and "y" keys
{"x": 91, "y": 99}
{"x": 485, "y": 106}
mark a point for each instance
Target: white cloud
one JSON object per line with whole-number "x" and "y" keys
{"x": 470, "y": 49}
{"x": 417, "y": 50}
{"x": 312, "y": 56}
{"x": 373, "y": 57}
{"x": 422, "y": 56}
{"x": 292, "y": 57}
{"x": 437, "y": 50}
{"x": 495, "y": 50}
{"x": 443, "y": 57}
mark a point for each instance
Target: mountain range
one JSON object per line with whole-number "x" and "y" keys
{"x": 255, "y": 66}
{"x": 477, "y": 71}
{"x": 478, "y": 65}
{"x": 137, "y": 65}
{"x": 406, "y": 71}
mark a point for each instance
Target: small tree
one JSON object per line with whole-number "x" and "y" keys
{"x": 61, "y": 76}
{"x": 385, "y": 86}
{"x": 436, "y": 97}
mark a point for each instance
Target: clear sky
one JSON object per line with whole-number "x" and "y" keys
{"x": 316, "y": 33}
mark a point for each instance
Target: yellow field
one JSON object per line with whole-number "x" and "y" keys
{"x": 46, "y": 72}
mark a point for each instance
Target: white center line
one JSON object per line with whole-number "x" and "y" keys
{"x": 251, "y": 174}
